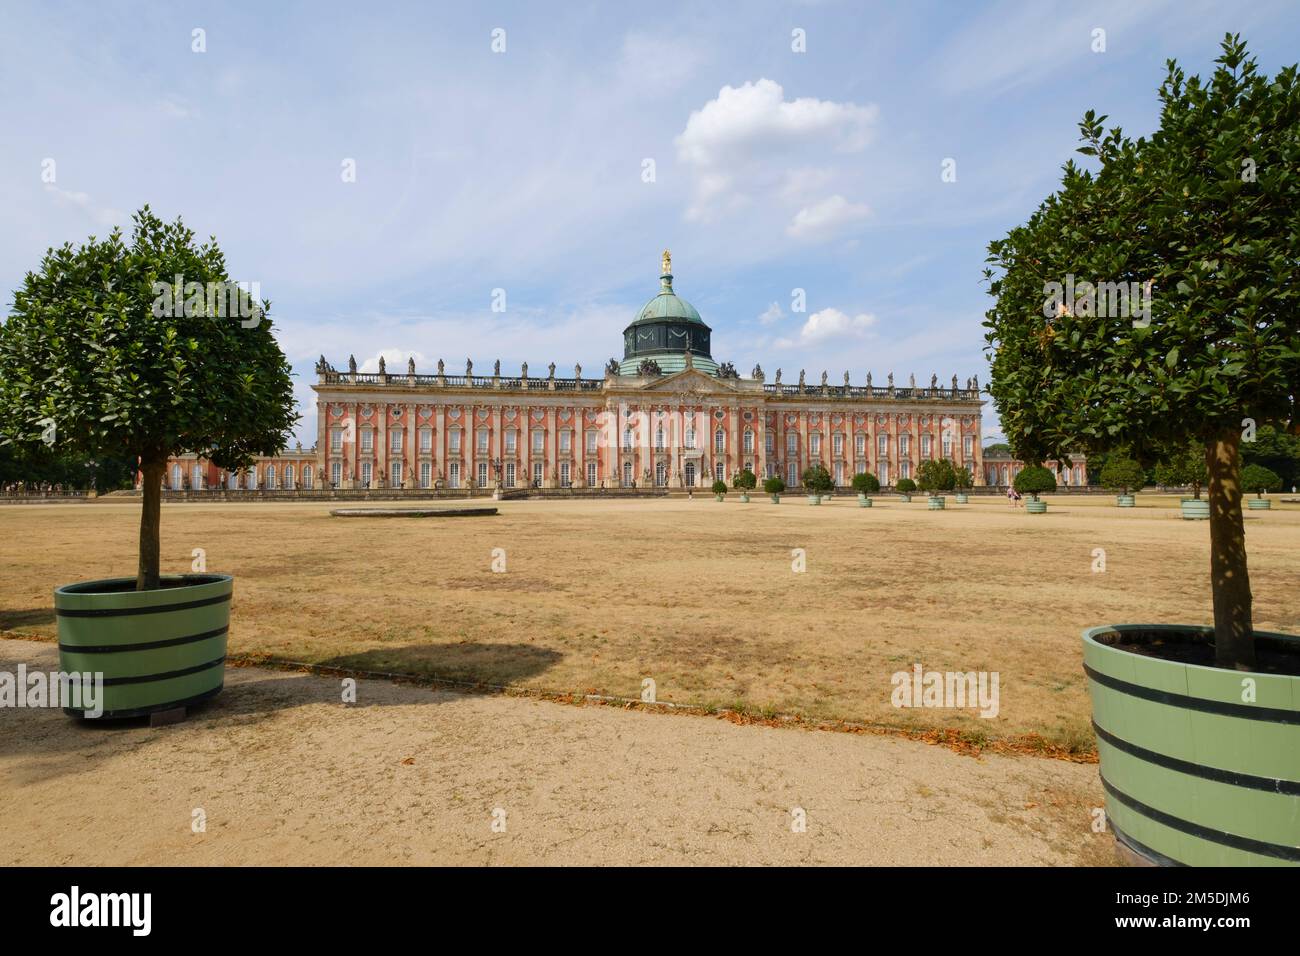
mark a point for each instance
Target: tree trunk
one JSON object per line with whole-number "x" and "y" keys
{"x": 147, "y": 576}
{"x": 1234, "y": 640}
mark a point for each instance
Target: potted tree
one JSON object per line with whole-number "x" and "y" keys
{"x": 934, "y": 476}
{"x": 719, "y": 490}
{"x": 1198, "y": 726}
{"x": 1123, "y": 475}
{"x": 774, "y": 486}
{"x": 1034, "y": 480}
{"x": 103, "y": 351}
{"x": 1260, "y": 480}
{"x": 865, "y": 484}
{"x": 1186, "y": 468}
{"x": 963, "y": 481}
{"x": 817, "y": 481}
{"x": 905, "y": 487}
{"x": 745, "y": 482}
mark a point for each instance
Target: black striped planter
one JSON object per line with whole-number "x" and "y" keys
{"x": 1196, "y": 772}
{"x": 157, "y": 650}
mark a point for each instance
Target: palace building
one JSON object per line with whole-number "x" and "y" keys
{"x": 666, "y": 415}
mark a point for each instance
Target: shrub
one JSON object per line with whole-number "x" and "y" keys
{"x": 865, "y": 483}
{"x": 773, "y": 485}
{"x": 1259, "y": 479}
{"x": 1184, "y": 467}
{"x": 719, "y": 487}
{"x": 905, "y": 486}
{"x": 936, "y": 475}
{"x": 818, "y": 480}
{"x": 1034, "y": 480}
{"x": 745, "y": 481}
{"x": 1122, "y": 475}
{"x": 963, "y": 479}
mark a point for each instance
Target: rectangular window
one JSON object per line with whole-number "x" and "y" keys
{"x": 426, "y": 439}
{"x": 426, "y": 473}
{"x": 367, "y": 472}
{"x": 565, "y": 482}
{"x": 816, "y": 444}
{"x": 720, "y": 441}
{"x": 482, "y": 474}
{"x": 968, "y": 446}
{"x": 904, "y": 444}
{"x": 837, "y": 443}
{"x": 882, "y": 444}
{"x": 336, "y": 473}
{"x": 592, "y": 476}
{"x": 539, "y": 441}
{"x": 511, "y": 441}
{"x": 627, "y": 439}
{"x": 336, "y": 439}
{"x": 307, "y": 477}
{"x": 395, "y": 474}
{"x": 592, "y": 436}
{"x": 905, "y": 469}
{"x": 769, "y": 442}
{"x": 791, "y": 443}
{"x": 483, "y": 441}
{"x": 510, "y": 474}
{"x": 718, "y": 473}
{"x": 566, "y": 442}
{"x": 839, "y": 474}
{"x": 453, "y": 475}
{"x": 748, "y": 445}
{"x": 537, "y": 474}
{"x": 395, "y": 440}
{"x": 367, "y": 439}
{"x": 947, "y": 447}
{"x": 455, "y": 441}
{"x": 925, "y": 446}
{"x": 792, "y": 474}
{"x": 860, "y": 445}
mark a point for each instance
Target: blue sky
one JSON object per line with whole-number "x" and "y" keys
{"x": 524, "y": 170}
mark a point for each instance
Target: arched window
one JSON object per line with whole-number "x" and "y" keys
{"x": 307, "y": 477}
{"x": 288, "y": 477}
{"x": 176, "y": 477}
{"x": 661, "y": 474}
{"x": 720, "y": 440}
{"x": 659, "y": 437}
{"x": 690, "y": 436}
{"x": 748, "y": 445}
{"x": 270, "y": 477}
{"x": 627, "y": 474}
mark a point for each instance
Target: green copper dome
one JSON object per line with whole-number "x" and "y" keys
{"x": 665, "y": 330}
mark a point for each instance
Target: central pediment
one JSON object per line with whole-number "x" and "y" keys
{"x": 689, "y": 381}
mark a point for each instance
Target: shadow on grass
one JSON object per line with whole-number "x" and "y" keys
{"x": 34, "y": 617}
{"x": 468, "y": 662}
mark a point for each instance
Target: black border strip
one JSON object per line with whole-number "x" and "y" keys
{"x": 1276, "y": 850}
{"x": 1233, "y": 778}
{"x": 151, "y": 609}
{"x": 1274, "y": 715}
{"x": 167, "y": 675}
{"x": 145, "y": 646}
{"x": 151, "y": 709}
{"x": 1141, "y": 849}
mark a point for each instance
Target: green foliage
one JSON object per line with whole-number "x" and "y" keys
{"x": 1205, "y": 209}
{"x": 865, "y": 483}
{"x": 746, "y": 480}
{"x": 83, "y": 350}
{"x": 35, "y": 465}
{"x": 936, "y": 475}
{"x": 1184, "y": 467}
{"x": 1259, "y": 479}
{"x": 1276, "y": 450}
{"x": 773, "y": 485}
{"x": 1123, "y": 475}
{"x": 818, "y": 480}
{"x": 1034, "y": 480}
{"x": 963, "y": 479}
{"x": 998, "y": 448}
{"x": 905, "y": 486}
{"x": 719, "y": 487}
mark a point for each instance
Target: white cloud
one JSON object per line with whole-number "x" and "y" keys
{"x": 734, "y": 140}
{"x": 826, "y": 219}
{"x": 103, "y": 215}
{"x": 394, "y": 361}
{"x": 831, "y": 324}
{"x": 773, "y": 313}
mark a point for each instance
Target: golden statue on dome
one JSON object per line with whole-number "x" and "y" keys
{"x": 668, "y": 262}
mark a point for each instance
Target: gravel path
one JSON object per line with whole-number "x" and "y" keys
{"x": 283, "y": 772}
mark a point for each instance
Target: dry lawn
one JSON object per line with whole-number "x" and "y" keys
{"x": 698, "y": 596}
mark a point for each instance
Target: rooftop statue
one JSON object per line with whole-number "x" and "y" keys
{"x": 469, "y": 368}
{"x": 523, "y": 371}
{"x": 496, "y": 369}
{"x": 778, "y": 376}
{"x": 352, "y": 364}
{"x": 382, "y": 368}
{"x": 551, "y": 368}
{"x": 440, "y": 366}
{"x": 667, "y": 262}
{"x": 410, "y": 365}
{"x": 757, "y": 373}
{"x": 868, "y": 380}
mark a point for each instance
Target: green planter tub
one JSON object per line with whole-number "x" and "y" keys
{"x": 1125, "y": 501}
{"x": 158, "y": 650}
{"x": 1195, "y": 509}
{"x": 936, "y": 503}
{"x": 1036, "y": 507}
{"x": 776, "y": 499}
{"x": 962, "y": 499}
{"x": 1195, "y": 772}
{"x": 744, "y": 499}
{"x": 719, "y": 497}
{"x": 814, "y": 499}
{"x": 1258, "y": 504}
{"x": 864, "y": 501}
{"x": 904, "y": 497}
